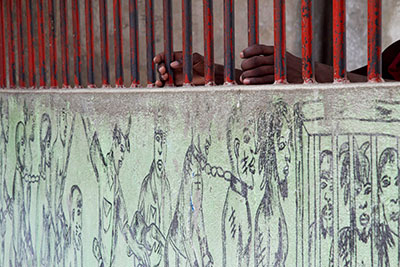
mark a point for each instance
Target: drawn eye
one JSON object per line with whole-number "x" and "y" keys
{"x": 385, "y": 181}
{"x": 323, "y": 185}
{"x": 367, "y": 190}
{"x": 281, "y": 146}
{"x": 158, "y": 138}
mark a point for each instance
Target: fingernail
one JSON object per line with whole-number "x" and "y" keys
{"x": 154, "y": 59}
{"x": 162, "y": 69}
{"x": 241, "y": 78}
{"x": 246, "y": 81}
{"x": 241, "y": 54}
{"x": 175, "y": 64}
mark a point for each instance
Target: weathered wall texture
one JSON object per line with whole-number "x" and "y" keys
{"x": 265, "y": 176}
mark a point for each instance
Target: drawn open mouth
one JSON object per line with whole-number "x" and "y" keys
{"x": 160, "y": 164}
{"x": 364, "y": 219}
{"x": 394, "y": 216}
{"x": 327, "y": 211}
{"x": 286, "y": 171}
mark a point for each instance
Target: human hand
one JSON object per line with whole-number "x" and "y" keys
{"x": 177, "y": 68}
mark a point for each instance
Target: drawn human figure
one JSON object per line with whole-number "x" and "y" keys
{"x": 113, "y": 216}
{"x": 388, "y": 196}
{"x": 236, "y": 215}
{"x": 75, "y": 248}
{"x": 271, "y": 236}
{"x": 187, "y": 240}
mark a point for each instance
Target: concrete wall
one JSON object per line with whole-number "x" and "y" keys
{"x": 280, "y": 175}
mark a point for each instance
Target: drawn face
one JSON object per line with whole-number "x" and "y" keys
{"x": 159, "y": 152}
{"x": 326, "y": 188}
{"x": 76, "y": 212}
{"x": 282, "y": 150}
{"x": 245, "y": 151}
{"x": 389, "y": 191}
{"x": 45, "y": 140}
{"x": 363, "y": 209}
{"x": 120, "y": 146}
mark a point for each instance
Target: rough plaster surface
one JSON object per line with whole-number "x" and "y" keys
{"x": 225, "y": 176}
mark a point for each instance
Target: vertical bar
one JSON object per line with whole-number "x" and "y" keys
{"x": 119, "y": 73}
{"x": 134, "y": 42}
{"x": 89, "y": 43}
{"x": 2, "y": 48}
{"x": 187, "y": 42}
{"x": 21, "y": 50}
{"x": 151, "y": 74}
{"x": 64, "y": 43}
{"x": 77, "y": 43}
{"x": 11, "y": 45}
{"x": 168, "y": 40}
{"x": 280, "y": 41}
{"x": 253, "y": 25}
{"x": 229, "y": 41}
{"x": 375, "y": 41}
{"x": 339, "y": 41}
{"x": 52, "y": 44}
{"x": 307, "y": 39}
{"x": 31, "y": 50}
{"x": 208, "y": 19}
{"x": 42, "y": 60}
{"x": 105, "y": 54}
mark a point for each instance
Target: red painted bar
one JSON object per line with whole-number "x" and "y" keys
{"x": 41, "y": 44}
{"x": 307, "y": 39}
{"x": 52, "y": 44}
{"x": 168, "y": 39}
{"x": 105, "y": 54}
{"x": 2, "y": 48}
{"x": 253, "y": 22}
{"x": 119, "y": 71}
{"x": 11, "y": 45}
{"x": 280, "y": 41}
{"x": 375, "y": 41}
{"x": 150, "y": 44}
{"x": 64, "y": 43}
{"x": 134, "y": 42}
{"x": 20, "y": 42}
{"x": 187, "y": 42}
{"x": 31, "y": 50}
{"x": 77, "y": 43}
{"x": 339, "y": 41}
{"x": 89, "y": 43}
{"x": 208, "y": 18}
{"x": 229, "y": 42}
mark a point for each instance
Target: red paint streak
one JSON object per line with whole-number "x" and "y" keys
{"x": 31, "y": 51}
{"x": 11, "y": 45}
{"x": 105, "y": 54}
{"x": 2, "y": 48}
{"x": 134, "y": 43}
{"x": 375, "y": 41}
{"x": 253, "y": 22}
{"x": 339, "y": 41}
{"x": 229, "y": 42}
{"x": 64, "y": 43}
{"x": 77, "y": 43}
{"x": 52, "y": 45}
{"x": 280, "y": 41}
{"x": 187, "y": 42}
{"x": 119, "y": 77}
{"x": 89, "y": 42}
{"x": 307, "y": 39}
{"x": 20, "y": 41}
{"x": 150, "y": 43}
{"x": 41, "y": 45}
{"x": 208, "y": 22}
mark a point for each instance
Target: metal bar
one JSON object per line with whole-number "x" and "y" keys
{"x": 168, "y": 40}
{"x": 2, "y": 48}
{"x": 151, "y": 74}
{"x": 187, "y": 42}
{"x": 253, "y": 22}
{"x": 11, "y": 45}
{"x": 105, "y": 54}
{"x": 31, "y": 50}
{"x": 134, "y": 42}
{"x": 77, "y": 43}
{"x": 64, "y": 43}
{"x": 41, "y": 45}
{"x": 208, "y": 18}
{"x": 339, "y": 41}
{"x": 89, "y": 43}
{"x": 52, "y": 44}
{"x": 280, "y": 41}
{"x": 119, "y": 72}
{"x": 20, "y": 42}
{"x": 229, "y": 42}
{"x": 375, "y": 41}
{"x": 307, "y": 39}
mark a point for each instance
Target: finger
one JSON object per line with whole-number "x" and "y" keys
{"x": 257, "y": 61}
{"x": 159, "y": 83}
{"x": 259, "y": 80}
{"x": 177, "y": 64}
{"x": 258, "y": 72}
{"x": 162, "y": 69}
{"x": 159, "y": 58}
{"x": 256, "y": 50}
{"x": 197, "y": 58}
{"x": 165, "y": 77}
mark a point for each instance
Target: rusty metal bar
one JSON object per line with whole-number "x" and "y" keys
{"x": 77, "y": 43}
{"x": 2, "y": 48}
{"x": 64, "y": 43}
{"x": 187, "y": 42}
{"x": 31, "y": 50}
{"x": 151, "y": 74}
{"x": 119, "y": 71}
{"x": 89, "y": 43}
{"x": 339, "y": 41}
{"x": 208, "y": 19}
{"x": 168, "y": 40}
{"x": 11, "y": 45}
{"x": 41, "y": 45}
{"x": 375, "y": 41}
{"x": 229, "y": 42}
{"x": 52, "y": 44}
{"x": 134, "y": 42}
{"x": 21, "y": 49}
{"x": 307, "y": 39}
{"x": 105, "y": 54}
{"x": 280, "y": 41}
{"x": 253, "y": 22}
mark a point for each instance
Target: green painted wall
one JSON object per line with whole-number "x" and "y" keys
{"x": 200, "y": 177}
